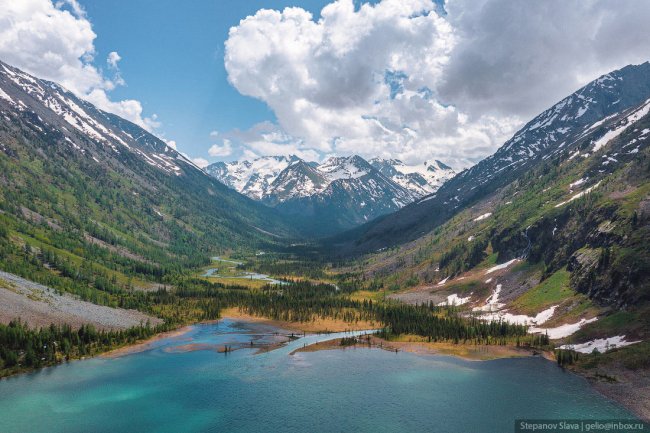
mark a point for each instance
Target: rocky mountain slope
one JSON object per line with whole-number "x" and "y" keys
{"x": 559, "y": 132}
{"x": 421, "y": 179}
{"x": 340, "y": 193}
{"x": 251, "y": 178}
{"x": 91, "y": 201}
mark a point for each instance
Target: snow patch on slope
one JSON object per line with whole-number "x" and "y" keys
{"x": 629, "y": 120}
{"x": 563, "y": 330}
{"x": 578, "y": 195}
{"x": 492, "y": 303}
{"x": 501, "y": 266}
{"x": 482, "y": 217}
{"x": 520, "y": 319}
{"x": 455, "y": 300}
{"x": 601, "y": 344}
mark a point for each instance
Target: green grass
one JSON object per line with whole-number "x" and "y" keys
{"x": 76, "y": 259}
{"x": 525, "y": 266}
{"x": 551, "y": 291}
{"x": 583, "y": 307}
{"x": 619, "y": 323}
{"x": 489, "y": 261}
{"x": 376, "y": 296}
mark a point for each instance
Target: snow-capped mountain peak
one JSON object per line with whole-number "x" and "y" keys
{"x": 269, "y": 176}
{"x": 252, "y": 178}
{"x": 420, "y": 179}
{"x": 348, "y": 186}
{"x": 79, "y": 125}
{"x": 342, "y": 167}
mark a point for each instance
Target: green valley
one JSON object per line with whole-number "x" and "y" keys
{"x": 551, "y": 257}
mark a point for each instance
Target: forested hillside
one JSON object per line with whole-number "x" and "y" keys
{"x": 562, "y": 247}
{"x": 93, "y": 204}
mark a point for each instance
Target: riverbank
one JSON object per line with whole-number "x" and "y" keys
{"x": 630, "y": 390}
{"x": 622, "y": 375}
{"x": 285, "y": 328}
{"x": 464, "y": 351}
{"x": 144, "y": 345}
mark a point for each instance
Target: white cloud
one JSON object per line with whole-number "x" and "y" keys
{"x": 356, "y": 81}
{"x": 74, "y": 6}
{"x": 397, "y": 79}
{"x": 129, "y": 109}
{"x": 112, "y": 59}
{"x": 249, "y": 155}
{"x": 519, "y": 58}
{"x": 224, "y": 150}
{"x": 201, "y": 162}
{"x": 56, "y": 42}
{"x": 267, "y": 138}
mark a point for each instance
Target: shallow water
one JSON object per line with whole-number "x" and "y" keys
{"x": 356, "y": 389}
{"x": 219, "y": 259}
{"x": 213, "y": 273}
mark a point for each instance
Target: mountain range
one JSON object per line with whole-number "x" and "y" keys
{"x": 341, "y": 192}
{"x": 74, "y": 175}
{"x": 550, "y": 232}
{"x": 575, "y": 128}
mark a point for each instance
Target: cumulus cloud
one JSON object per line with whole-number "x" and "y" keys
{"x": 112, "y": 59}
{"x": 74, "y": 5}
{"x": 224, "y": 150}
{"x": 201, "y": 162}
{"x": 267, "y": 138}
{"x": 357, "y": 80}
{"x": 55, "y": 41}
{"x": 518, "y": 58}
{"x": 399, "y": 78}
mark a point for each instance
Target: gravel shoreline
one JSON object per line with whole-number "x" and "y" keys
{"x": 40, "y": 305}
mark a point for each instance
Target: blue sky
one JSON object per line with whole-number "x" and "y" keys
{"x": 384, "y": 78}
{"x": 173, "y": 62}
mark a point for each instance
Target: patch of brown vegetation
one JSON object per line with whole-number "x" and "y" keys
{"x": 193, "y": 347}
{"x": 318, "y": 325}
{"x": 419, "y": 346}
{"x": 622, "y": 193}
{"x": 37, "y": 218}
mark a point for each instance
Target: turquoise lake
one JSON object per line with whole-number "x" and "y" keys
{"x": 172, "y": 389}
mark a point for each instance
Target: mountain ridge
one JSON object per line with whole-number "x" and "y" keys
{"x": 551, "y": 232}
{"x": 355, "y": 188}
{"x": 555, "y": 131}
{"x": 75, "y": 176}
{"x": 255, "y": 178}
